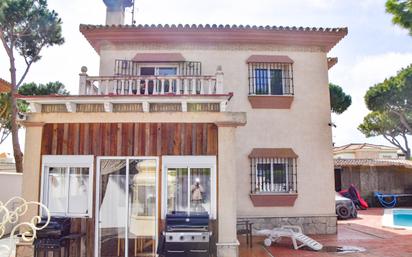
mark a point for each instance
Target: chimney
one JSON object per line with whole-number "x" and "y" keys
{"x": 115, "y": 11}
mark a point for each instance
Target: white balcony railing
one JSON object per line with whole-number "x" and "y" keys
{"x": 151, "y": 85}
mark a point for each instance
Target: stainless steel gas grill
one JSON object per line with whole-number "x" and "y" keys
{"x": 187, "y": 235}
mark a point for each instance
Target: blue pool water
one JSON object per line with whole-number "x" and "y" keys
{"x": 402, "y": 218}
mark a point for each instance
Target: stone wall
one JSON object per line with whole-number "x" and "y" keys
{"x": 311, "y": 225}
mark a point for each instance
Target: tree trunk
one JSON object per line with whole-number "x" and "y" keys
{"x": 18, "y": 155}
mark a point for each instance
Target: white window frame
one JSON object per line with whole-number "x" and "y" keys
{"x": 97, "y": 208}
{"x": 67, "y": 162}
{"x": 272, "y": 189}
{"x": 199, "y": 161}
{"x": 272, "y": 182}
{"x": 269, "y": 77}
{"x": 156, "y": 66}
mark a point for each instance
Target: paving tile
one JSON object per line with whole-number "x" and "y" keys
{"x": 365, "y": 232}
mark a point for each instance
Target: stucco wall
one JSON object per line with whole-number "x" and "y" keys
{"x": 10, "y": 186}
{"x": 304, "y": 127}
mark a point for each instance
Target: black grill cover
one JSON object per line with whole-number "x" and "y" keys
{"x": 57, "y": 227}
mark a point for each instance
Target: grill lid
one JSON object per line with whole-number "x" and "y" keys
{"x": 179, "y": 221}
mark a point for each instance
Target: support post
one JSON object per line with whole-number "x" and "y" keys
{"x": 31, "y": 166}
{"x": 228, "y": 244}
{"x": 83, "y": 81}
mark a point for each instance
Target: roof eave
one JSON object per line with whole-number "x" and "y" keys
{"x": 324, "y": 39}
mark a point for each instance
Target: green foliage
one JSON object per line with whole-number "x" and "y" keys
{"x": 391, "y": 106}
{"x": 381, "y": 123}
{"x": 5, "y": 114}
{"x": 402, "y": 13}
{"x": 51, "y": 88}
{"x": 338, "y": 99}
{"x": 394, "y": 95}
{"x": 28, "y": 26}
{"x": 56, "y": 88}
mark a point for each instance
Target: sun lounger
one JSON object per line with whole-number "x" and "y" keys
{"x": 299, "y": 239}
{"x": 389, "y": 200}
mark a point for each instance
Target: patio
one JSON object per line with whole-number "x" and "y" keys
{"x": 365, "y": 232}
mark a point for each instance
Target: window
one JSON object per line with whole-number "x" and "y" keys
{"x": 155, "y": 85}
{"x": 132, "y": 68}
{"x": 67, "y": 184}
{"x": 270, "y": 79}
{"x": 158, "y": 71}
{"x": 268, "y": 82}
{"x": 188, "y": 189}
{"x": 191, "y": 184}
{"x": 273, "y": 175}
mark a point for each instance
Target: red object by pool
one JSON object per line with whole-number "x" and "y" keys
{"x": 353, "y": 194}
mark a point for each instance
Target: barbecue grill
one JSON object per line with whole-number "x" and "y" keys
{"x": 187, "y": 235}
{"x": 53, "y": 238}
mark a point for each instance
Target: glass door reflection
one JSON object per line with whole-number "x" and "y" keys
{"x": 142, "y": 208}
{"x": 127, "y": 207}
{"x": 189, "y": 189}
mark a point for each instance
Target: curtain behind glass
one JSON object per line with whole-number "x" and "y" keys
{"x": 57, "y": 190}
{"x": 177, "y": 189}
{"x": 78, "y": 190}
{"x": 108, "y": 167}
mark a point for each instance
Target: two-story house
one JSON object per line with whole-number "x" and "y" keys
{"x": 229, "y": 120}
{"x": 367, "y": 151}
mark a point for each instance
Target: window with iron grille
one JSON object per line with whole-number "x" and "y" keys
{"x": 132, "y": 68}
{"x": 270, "y": 79}
{"x": 273, "y": 175}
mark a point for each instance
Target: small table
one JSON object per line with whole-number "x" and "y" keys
{"x": 245, "y": 229}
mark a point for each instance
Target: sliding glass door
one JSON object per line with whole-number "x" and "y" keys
{"x": 126, "y": 207}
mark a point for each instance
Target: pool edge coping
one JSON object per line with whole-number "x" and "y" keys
{"x": 387, "y": 219}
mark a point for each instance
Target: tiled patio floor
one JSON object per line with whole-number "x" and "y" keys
{"x": 365, "y": 232}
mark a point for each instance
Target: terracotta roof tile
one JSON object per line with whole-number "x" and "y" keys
{"x": 4, "y": 86}
{"x": 273, "y": 153}
{"x": 357, "y": 146}
{"x": 217, "y": 26}
{"x": 325, "y": 38}
{"x": 269, "y": 59}
{"x": 373, "y": 162}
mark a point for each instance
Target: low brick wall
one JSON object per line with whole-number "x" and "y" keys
{"x": 311, "y": 225}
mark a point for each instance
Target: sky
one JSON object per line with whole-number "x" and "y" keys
{"x": 373, "y": 50}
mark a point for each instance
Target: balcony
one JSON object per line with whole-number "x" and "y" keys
{"x": 127, "y": 93}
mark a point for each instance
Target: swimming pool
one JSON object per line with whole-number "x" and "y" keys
{"x": 397, "y": 218}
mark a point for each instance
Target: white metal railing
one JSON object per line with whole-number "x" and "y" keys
{"x": 151, "y": 85}
{"x": 10, "y": 213}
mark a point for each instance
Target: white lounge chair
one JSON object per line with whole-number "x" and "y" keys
{"x": 293, "y": 232}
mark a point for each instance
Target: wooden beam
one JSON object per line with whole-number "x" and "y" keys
{"x": 232, "y": 118}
